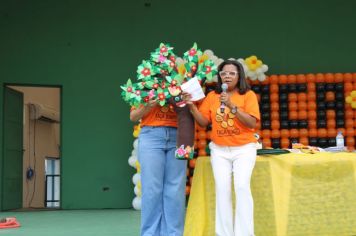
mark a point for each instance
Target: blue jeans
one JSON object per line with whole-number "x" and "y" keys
{"x": 163, "y": 180}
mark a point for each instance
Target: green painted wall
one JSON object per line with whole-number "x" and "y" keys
{"x": 90, "y": 48}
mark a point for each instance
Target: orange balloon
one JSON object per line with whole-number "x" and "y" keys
{"x": 350, "y": 132}
{"x": 294, "y": 133}
{"x": 274, "y": 106}
{"x": 311, "y": 106}
{"x": 284, "y": 142}
{"x": 312, "y": 124}
{"x": 292, "y": 97}
{"x": 266, "y": 142}
{"x": 338, "y": 77}
{"x": 302, "y": 106}
{"x": 348, "y": 86}
{"x": 322, "y": 133}
{"x": 350, "y": 143}
{"x": 292, "y": 79}
{"x": 349, "y": 123}
{"x": 310, "y": 78}
{"x": 274, "y": 97}
{"x": 347, "y": 77}
{"x": 285, "y": 133}
{"x": 293, "y": 115}
{"x": 292, "y": 106}
{"x": 311, "y": 96}
{"x": 329, "y": 78}
{"x": 353, "y": 77}
{"x": 319, "y": 78}
{"x": 275, "y": 133}
{"x": 331, "y": 123}
{"x": 311, "y": 87}
{"x": 304, "y": 141}
{"x": 302, "y": 115}
{"x": 273, "y": 79}
{"x": 273, "y": 88}
{"x": 301, "y": 79}
{"x": 274, "y": 115}
{"x": 313, "y": 133}
{"x": 266, "y": 133}
{"x": 283, "y": 79}
{"x": 332, "y": 132}
{"x": 312, "y": 115}
{"x": 275, "y": 124}
{"x": 302, "y": 97}
{"x": 330, "y": 114}
{"x": 330, "y": 96}
{"x": 349, "y": 114}
{"x": 303, "y": 133}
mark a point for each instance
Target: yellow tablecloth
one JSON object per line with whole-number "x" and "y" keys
{"x": 294, "y": 194}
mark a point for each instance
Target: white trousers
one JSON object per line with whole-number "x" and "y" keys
{"x": 240, "y": 161}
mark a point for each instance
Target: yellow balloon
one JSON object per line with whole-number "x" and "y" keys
{"x": 353, "y": 105}
{"x": 348, "y": 99}
{"x": 353, "y": 94}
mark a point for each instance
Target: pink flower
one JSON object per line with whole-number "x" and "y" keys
{"x": 161, "y": 58}
{"x": 180, "y": 151}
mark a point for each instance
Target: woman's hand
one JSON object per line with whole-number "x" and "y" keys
{"x": 186, "y": 97}
{"x": 225, "y": 98}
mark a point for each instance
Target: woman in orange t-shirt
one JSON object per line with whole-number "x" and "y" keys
{"x": 233, "y": 111}
{"x": 163, "y": 177}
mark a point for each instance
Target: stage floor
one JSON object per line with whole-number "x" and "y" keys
{"x": 110, "y": 222}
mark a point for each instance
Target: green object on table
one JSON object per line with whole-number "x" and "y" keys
{"x": 272, "y": 151}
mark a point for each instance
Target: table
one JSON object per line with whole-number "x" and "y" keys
{"x": 294, "y": 194}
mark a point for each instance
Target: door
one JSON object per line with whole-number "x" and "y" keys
{"x": 11, "y": 173}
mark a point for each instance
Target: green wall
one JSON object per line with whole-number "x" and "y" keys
{"x": 90, "y": 48}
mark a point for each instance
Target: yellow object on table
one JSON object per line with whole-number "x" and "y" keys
{"x": 294, "y": 195}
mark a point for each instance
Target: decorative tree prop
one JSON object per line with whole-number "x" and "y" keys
{"x": 161, "y": 77}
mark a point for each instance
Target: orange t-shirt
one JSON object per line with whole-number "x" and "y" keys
{"x": 160, "y": 116}
{"x": 227, "y": 130}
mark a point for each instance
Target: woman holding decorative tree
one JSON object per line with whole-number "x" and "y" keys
{"x": 233, "y": 112}
{"x": 167, "y": 135}
{"x": 163, "y": 176}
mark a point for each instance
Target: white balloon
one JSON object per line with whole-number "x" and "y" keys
{"x": 136, "y": 178}
{"x": 137, "y": 191}
{"x": 134, "y": 152}
{"x": 135, "y": 143}
{"x": 242, "y": 61}
{"x": 250, "y": 74}
{"x": 209, "y": 52}
{"x": 264, "y": 68}
{"x": 219, "y": 61}
{"x": 132, "y": 161}
{"x": 261, "y": 77}
{"x": 258, "y": 71}
{"x": 136, "y": 203}
{"x": 253, "y": 77}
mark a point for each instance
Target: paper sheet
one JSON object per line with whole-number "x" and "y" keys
{"x": 193, "y": 87}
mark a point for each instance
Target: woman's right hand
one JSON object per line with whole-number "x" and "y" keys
{"x": 186, "y": 97}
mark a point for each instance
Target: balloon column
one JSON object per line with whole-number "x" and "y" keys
{"x": 136, "y": 179}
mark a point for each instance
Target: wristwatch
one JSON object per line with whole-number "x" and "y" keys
{"x": 234, "y": 110}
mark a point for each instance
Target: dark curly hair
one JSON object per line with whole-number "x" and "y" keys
{"x": 242, "y": 85}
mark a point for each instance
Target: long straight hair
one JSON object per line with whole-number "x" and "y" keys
{"x": 242, "y": 85}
